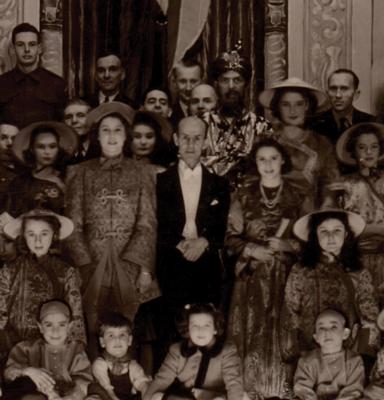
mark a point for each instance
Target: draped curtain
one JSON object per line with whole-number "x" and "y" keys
{"x": 137, "y": 29}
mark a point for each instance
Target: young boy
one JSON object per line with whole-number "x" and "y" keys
{"x": 117, "y": 375}
{"x": 51, "y": 366}
{"x": 330, "y": 372}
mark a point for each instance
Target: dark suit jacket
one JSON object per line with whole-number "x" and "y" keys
{"x": 177, "y": 115}
{"x": 326, "y": 125}
{"x": 93, "y": 100}
{"x": 179, "y": 278}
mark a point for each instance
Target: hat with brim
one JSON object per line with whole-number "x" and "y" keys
{"x": 13, "y": 228}
{"x": 68, "y": 139}
{"x": 301, "y": 226}
{"x": 105, "y": 109}
{"x": 342, "y": 144}
{"x": 166, "y": 129}
{"x": 266, "y": 95}
{"x": 380, "y": 320}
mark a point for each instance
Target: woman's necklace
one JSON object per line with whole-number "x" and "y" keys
{"x": 271, "y": 202}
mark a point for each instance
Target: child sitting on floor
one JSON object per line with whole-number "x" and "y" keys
{"x": 330, "y": 372}
{"x": 202, "y": 366}
{"x": 117, "y": 375}
{"x": 52, "y": 366}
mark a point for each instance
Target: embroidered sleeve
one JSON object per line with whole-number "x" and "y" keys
{"x": 231, "y": 369}
{"x": 73, "y": 297}
{"x": 77, "y": 244}
{"x": 290, "y": 324}
{"x": 305, "y": 381}
{"x": 367, "y": 305}
{"x": 354, "y": 386}
{"x": 139, "y": 380}
{"x": 142, "y": 245}
{"x": 5, "y": 288}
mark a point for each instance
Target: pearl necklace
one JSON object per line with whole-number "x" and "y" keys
{"x": 271, "y": 203}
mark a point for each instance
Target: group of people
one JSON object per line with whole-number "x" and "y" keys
{"x": 188, "y": 249}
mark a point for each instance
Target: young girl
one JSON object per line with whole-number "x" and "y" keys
{"x": 202, "y": 366}
{"x": 329, "y": 275}
{"x": 37, "y": 275}
{"x": 259, "y": 236}
{"x": 362, "y": 192}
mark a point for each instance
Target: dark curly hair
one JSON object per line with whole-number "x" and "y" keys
{"x": 113, "y": 320}
{"x": 268, "y": 142}
{"x": 307, "y": 95}
{"x": 200, "y": 308}
{"x": 62, "y": 157}
{"x": 53, "y": 222}
{"x": 362, "y": 129}
{"x": 349, "y": 256}
{"x": 95, "y": 147}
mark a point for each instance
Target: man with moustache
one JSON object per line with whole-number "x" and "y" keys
{"x": 109, "y": 75}
{"x": 232, "y": 129}
{"x": 157, "y": 100}
{"x": 203, "y": 99}
{"x": 30, "y": 93}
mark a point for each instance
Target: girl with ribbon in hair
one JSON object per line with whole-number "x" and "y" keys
{"x": 203, "y": 365}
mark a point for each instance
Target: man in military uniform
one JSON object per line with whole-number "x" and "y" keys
{"x": 30, "y": 93}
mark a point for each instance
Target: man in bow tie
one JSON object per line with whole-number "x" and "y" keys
{"x": 192, "y": 210}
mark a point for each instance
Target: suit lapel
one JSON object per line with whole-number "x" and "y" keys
{"x": 177, "y": 203}
{"x": 204, "y": 196}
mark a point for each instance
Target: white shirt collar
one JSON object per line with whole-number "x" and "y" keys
{"x": 186, "y": 171}
{"x": 102, "y": 97}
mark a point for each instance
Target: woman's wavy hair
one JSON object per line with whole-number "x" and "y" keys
{"x": 366, "y": 128}
{"x": 95, "y": 147}
{"x": 161, "y": 152}
{"x": 53, "y": 222}
{"x": 200, "y": 308}
{"x": 349, "y": 256}
{"x": 306, "y": 93}
{"x": 251, "y": 168}
{"x": 62, "y": 157}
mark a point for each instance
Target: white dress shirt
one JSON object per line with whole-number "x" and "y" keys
{"x": 190, "y": 181}
{"x": 102, "y": 97}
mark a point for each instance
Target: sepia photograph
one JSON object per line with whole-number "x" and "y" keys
{"x": 191, "y": 199}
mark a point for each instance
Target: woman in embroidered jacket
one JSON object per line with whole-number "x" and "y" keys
{"x": 293, "y": 102}
{"x": 43, "y": 147}
{"x": 112, "y": 203}
{"x": 258, "y": 235}
{"x": 363, "y": 192}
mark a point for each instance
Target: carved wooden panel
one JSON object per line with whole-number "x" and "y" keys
{"x": 275, "y": 41}
{"x": 327, "y": 38}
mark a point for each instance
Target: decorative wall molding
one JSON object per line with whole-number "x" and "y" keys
{"x": 275, "y": 41}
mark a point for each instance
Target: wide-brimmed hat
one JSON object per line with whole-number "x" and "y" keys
{"x": 104, "y": 109}
{"x": 166, "y": 129}
{"x": 13, "y": 228}
{"x": 68, "y": 139}
{"x": 301, "y": 226}
{"x": 266, "y": 95}
{"x": 342, "y": 151}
